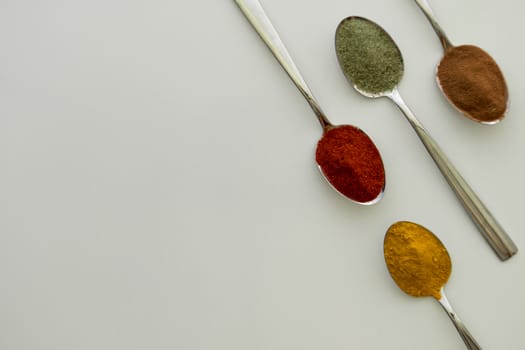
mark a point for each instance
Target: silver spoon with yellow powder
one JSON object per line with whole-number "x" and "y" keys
{"x": 420, "y": 265}
{"x": 372, "y": 62}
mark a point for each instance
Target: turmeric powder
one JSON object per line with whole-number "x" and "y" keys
{"x": 416, "y": 259}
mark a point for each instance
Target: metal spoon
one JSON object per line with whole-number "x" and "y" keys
{"x": 492, "y": 110}
{"x": 486, "y": 223}
{"x": 420, "y": 265}
{"x": 254, "y": 12}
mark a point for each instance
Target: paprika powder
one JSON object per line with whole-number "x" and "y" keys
{"x": 351, "y": 162}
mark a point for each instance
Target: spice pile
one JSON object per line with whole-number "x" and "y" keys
{"x": 473, "y": 82}
{"x": 416, "y": 259}
{"x": 352, "y": 164}
{"x": 367, "y": 56}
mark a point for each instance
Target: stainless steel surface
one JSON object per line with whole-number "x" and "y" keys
{"x": 469, "y": 340}
{"x": 495, "y": 235}
{"x": 254, "y": 12}
{"x": 425, "y": 7}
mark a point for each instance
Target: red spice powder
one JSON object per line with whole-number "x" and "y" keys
{"x": 351, "y": 162}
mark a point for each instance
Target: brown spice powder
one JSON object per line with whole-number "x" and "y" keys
{"x": 473, "y": 82}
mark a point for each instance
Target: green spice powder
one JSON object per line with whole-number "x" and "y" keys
{"x": 369, "y": 58}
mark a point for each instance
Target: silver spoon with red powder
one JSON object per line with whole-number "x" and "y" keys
{"x": 469, "y": 77}
{"x": 346, "y": 156}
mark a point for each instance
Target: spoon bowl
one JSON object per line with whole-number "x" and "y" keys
{"x": 372, "y": 62}
{"x": 373, "y": 68}
{"x": 416, "y": 259}
{"x": 347, "y": 157}
{"x": 361, "y": 181}
{"x": 476, "y": 88}
{"x": 420, "y": 266}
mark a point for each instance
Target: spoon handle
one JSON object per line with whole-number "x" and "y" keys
{"x": 425, "y": 7}
{"x": 486, "y": 223}
{"x": 469, "y": 340}
{"x": 254, "y": 12}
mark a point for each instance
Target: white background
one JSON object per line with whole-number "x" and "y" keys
{"x": 158, "y": 188}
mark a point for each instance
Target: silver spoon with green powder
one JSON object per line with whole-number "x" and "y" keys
{"x": 372, "y": 62}
{"x": 346, "y": 156}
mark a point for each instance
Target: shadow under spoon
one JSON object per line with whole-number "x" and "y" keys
{"x": 372, "y": 62}
{"x": 346, "y": 156}
{"x": 469, "y": 77}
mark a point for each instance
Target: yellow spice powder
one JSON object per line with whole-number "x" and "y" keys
{"x": 416, "y": 259}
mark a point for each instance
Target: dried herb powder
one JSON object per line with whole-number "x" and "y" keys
{"x": 416, "y": 259}
{"x": 368, "y": 56}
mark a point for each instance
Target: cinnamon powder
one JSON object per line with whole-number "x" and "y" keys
{"x": 473, "y": 82}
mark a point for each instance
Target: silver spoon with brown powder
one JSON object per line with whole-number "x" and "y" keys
{"x": 469, "y": 77}
{"x": 372, "y": 62}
